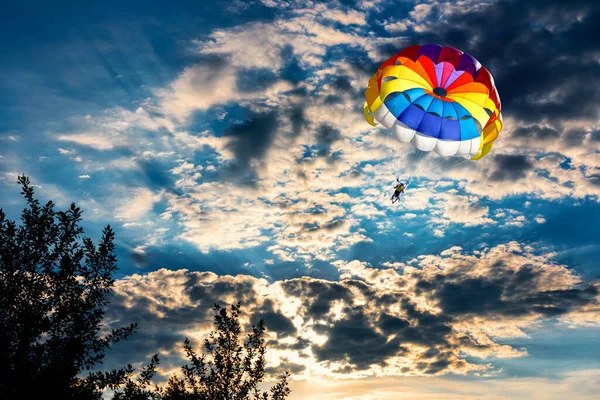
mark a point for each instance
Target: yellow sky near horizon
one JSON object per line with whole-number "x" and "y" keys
{"x": 577, "y": 385}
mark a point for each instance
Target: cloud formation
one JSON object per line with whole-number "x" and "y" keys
{"x": 433, "y": 315}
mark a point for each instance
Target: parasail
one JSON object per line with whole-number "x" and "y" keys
{"x": 437, "y": 98}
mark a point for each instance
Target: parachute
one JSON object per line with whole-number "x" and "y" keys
{"x": 437, "y": 98}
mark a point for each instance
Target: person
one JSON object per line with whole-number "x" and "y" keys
{"x": 398, "y": 189}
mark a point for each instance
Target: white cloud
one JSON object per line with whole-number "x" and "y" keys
{"x": 397, "y": 26}
{"x": 351, "y": 17}
{"x": 466, "y": 211}
{"x": 89, "y": 140}
{"x": 138, "y": 203}
{"x": 112, "y": 129}
{"x": 12, "y": 138}
{"x": 210, "y": 83}
{"x": 326, "y": 11}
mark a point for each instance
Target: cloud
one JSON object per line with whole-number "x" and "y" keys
{"x": 64, "y": 151}
{"x": 138, "y": 202}
{"x": 12, "y": 138}
{"x": 510, "y": 167}
{"x": 227, "y": 60}
{"x": 351, "y": 17}
{"x": 210, "y": 82}
{"x": 297, "y": 160}
{"x": 90, "y": 140}
{"x": 467, "y": 211}
{"x": 326, "y": 136}
{"x": 434, "y": 315}
{"x": 536, "y": 132}
{"x": 250, "y": 140}
{"x": 112, "y": 129}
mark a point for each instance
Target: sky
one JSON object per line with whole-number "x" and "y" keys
{"x": 225, "y": 144}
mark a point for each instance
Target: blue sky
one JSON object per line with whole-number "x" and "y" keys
{"x": 225, "y": 144}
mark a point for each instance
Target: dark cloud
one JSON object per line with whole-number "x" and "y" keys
{"x": 291, "y": 71}
{"x": 274, "y": 320}
{"x": 317, "y": 295}
{"x": 332, "y": 100}
{"x": 434, "y": 367}
{"x": 161, "y": 323}
{"x": 299, "y": 344}
{"x": 363, "y": 339}
{"x": 140, "y": 260}
{"x": 342, "y": 84}
{"x": 298, "y": 120}
{"x": 326, "y": 135}
{"x": 286, "y": 365}
{"x": 510, "y": 167}
{"x": 148, "y": 340}
{"x": 470, "y": 296}
{"x": 390, "y": 324}
{"x": 536, "y": 132}
{"x": 541, "y": 53}
{"x": 508, "y": 292}
{"x": 157, "y": 176}
{"x": 255, "y": 79}
{"x": 329, "y": 226}
{"x": 574, "y": 137}
{"x": 208, "y": 294}
{"x": 364, "y": 65}
{"x": 355, "y": 340}
{"x": 250, "y": 140}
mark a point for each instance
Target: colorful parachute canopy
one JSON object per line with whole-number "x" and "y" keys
{"x": 438, "y": 98}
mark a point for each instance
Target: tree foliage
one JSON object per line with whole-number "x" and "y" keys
{"x": 230, "y": 368}
{"x": 54, "y": 285}
{"x": 53, "y": 290}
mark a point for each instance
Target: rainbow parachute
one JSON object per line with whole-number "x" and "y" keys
{"x": 438, "y": 98}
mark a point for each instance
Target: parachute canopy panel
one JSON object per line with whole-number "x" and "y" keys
{"x": 437, "y": 98}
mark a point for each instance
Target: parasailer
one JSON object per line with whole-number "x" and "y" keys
{"x": 398, "y": 190}
{"x": 438, "y": 99}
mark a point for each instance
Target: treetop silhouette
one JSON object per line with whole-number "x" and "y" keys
{"x": 54, "y": 286}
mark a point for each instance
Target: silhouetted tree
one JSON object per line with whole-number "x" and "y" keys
{"x": 53, "y": 289}
{"x": 140, "y": 388}
{"x": 230, "y": 368}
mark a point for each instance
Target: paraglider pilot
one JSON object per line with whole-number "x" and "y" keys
{"x": 398, "y": 189}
